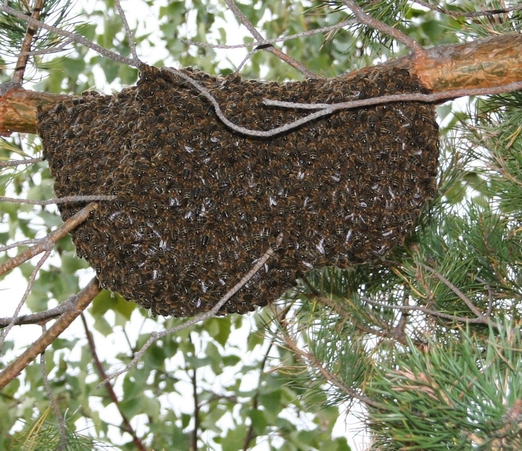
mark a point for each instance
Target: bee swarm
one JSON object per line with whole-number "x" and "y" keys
{"x": 198, "y": 204}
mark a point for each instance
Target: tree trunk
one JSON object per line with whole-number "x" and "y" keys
{"x": 486, "y": 63}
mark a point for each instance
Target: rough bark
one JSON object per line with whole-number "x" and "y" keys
{"x": 486, "y": 63}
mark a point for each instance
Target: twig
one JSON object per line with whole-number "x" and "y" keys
{"x": 346, "y": 315}
{"x": 250, "y": 435}
{"x": 21, "y": 63}
{"x": 40, "y": 317}
{"x": 83, "y": 299}
{"x": 58, "y": 200}
{"x": 329, "y": 376}
{"x": 487, "y": 12}
{"x": 73, "y": 36}
{"x": 99, "y": 367}
{"x": 398, "y": 35}
{"x": 50, "y": 240}
{"x": 8, "y": 163}
{"x": 28, "y": 289}
{"x": 272, "y": 41}
{"x": 281, "y": 55}
{"x": 154, "y": 336}
{"x": 56, "y": 409}
{"x": 326, "y": 109}
{"x": 410, "y": 308}
{"x": 196, "y": 415}
{"x": 21, "y": 243}
{"x": 455, "y": 290}
{"x": 58, "y": 48}
{"x": 130, "y": 36}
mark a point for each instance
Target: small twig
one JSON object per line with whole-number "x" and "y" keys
{"x": 196, "y": 415}
{"x": 18, "y": 244}
{"x": 83, "y": 299}
{"x": 130, "y": 37}
{"x": 28, "y": 289}
{"x": 329, "y": 376}
{"x": 154, "y": 336}
{"x": 455, "y": 290}
{"x": 58, "y": 200}
{"x": 127, "y": 426}
{"x": 259, "y": 38}
{"x": 398, "y": 35}
{"x": 40, "y": 317}
{"x": 58, "y": 48}
{"x": 18, "y": 75}
{"x": 56, "y": 409}
{"x": 4, "y": 164}
{"x": 272, "y": 41}
{"x": 73, "y": 36}
{"x": 49, "y": 241}
{"x": 487, "y": 12}
{"x": 250, "y": 435}
{"x": 410, "y": 308}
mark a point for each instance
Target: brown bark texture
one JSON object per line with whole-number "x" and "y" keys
{"x": 486, "y": 63}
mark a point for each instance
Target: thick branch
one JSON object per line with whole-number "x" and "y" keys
{"x": 19, "y": 108}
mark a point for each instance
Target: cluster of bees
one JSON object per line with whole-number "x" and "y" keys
{"x": 197, "y": 204}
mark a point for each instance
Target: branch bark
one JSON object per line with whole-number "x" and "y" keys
{"x": 487, "y": 63}
{"x": 83, "y": 299}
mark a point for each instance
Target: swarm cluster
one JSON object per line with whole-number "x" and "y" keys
{"x": 197, "y": 204}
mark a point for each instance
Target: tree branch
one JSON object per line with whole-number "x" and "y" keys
{"x": 75, "y": 37}
{"x": 49, "y": 241}
{"x": 21, "y": 64}
{"x": 330, "y": 377}
{"x": 271, "y": 49}
{"x": 363, "y": 18}
{"x": 127, "y": 427}
{"x": 40, "y": 317}
{"x": 264, "y": 42}
{"x": 56, "y": 409}
{"x": 83, "y": 299}
{"x": 28, "y": 289}
{"x": 59, "y": 200}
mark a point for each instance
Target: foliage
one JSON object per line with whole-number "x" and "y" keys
{"x": 426, "y": 340}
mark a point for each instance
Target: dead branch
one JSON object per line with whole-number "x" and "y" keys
{"x": 83, "y": 299}
{"x": 58, "y": 200}
{"x": 10, "y": 163}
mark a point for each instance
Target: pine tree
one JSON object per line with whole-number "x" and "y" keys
{"x": 424, "y": 340}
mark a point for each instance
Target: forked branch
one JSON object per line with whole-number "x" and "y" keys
{"x": 83, "y": 299}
